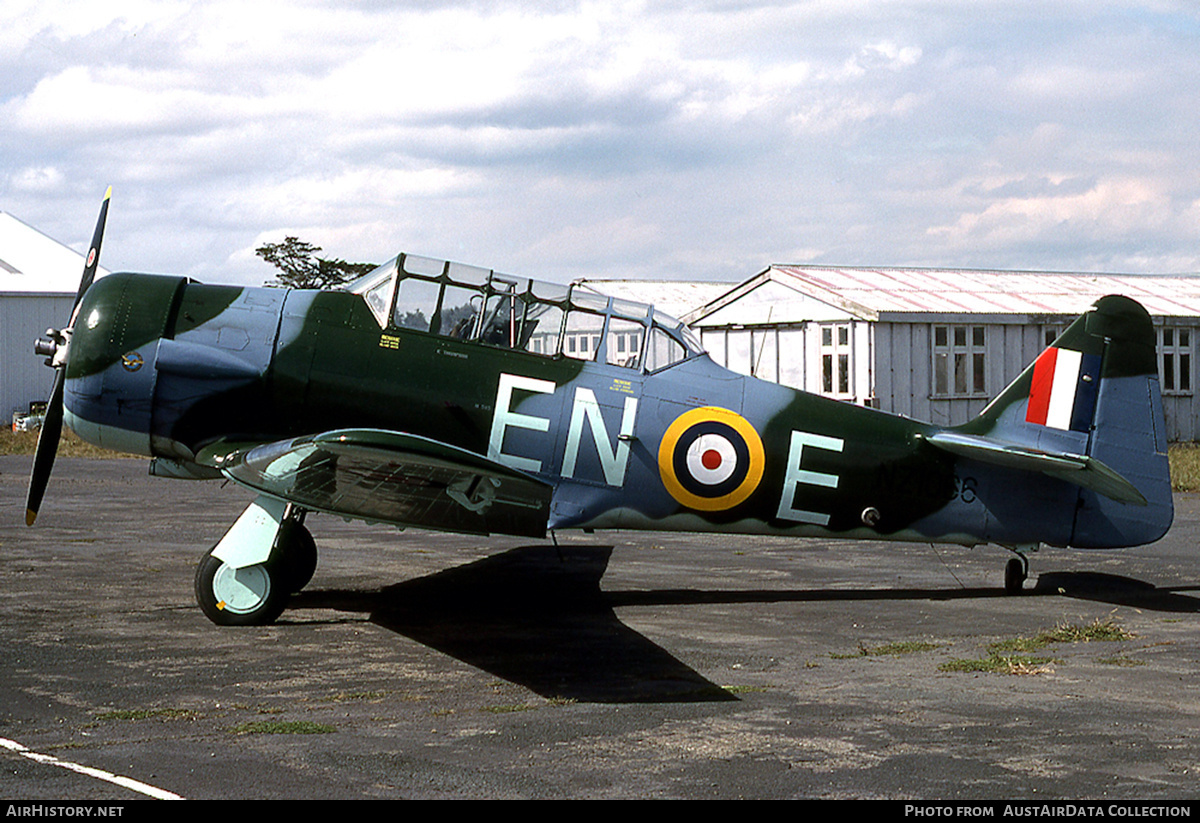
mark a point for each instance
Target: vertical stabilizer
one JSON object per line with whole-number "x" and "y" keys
{"x": 1095, "y": 393}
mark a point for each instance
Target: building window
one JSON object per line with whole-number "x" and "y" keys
{"x": 959, "y": 361}
{"x": 1175, "y": 359}
{"x": 837, "y": 379}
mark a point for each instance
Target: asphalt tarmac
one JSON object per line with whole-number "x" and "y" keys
{"x": 617, "y": 665}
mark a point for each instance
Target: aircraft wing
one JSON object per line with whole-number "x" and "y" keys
{"x": 390, "y": 477}
{"x": 1079, "y": 469}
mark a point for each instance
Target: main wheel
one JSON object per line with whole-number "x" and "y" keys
{"x": 1014, "y": 576}
{"x": 297, "y": 557}
{"x": 251, "y": 596}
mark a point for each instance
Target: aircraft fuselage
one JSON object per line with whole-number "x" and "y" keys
{"x": 165, "y": 367}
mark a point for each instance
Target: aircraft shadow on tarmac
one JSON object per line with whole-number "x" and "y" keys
{"x": 536, "y": 616}
{"x": 1118, "y": 590}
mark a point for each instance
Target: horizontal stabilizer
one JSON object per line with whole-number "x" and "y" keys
{"x": 391, "y": 477}
{"x": 1080, "y": 469}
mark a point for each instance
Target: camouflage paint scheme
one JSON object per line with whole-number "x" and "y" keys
{"x": 318, "y": 400}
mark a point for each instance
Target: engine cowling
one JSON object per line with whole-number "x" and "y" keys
{"x": 159, "y": 365}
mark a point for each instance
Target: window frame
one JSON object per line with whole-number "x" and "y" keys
{"x": 1176, "y": 357}
{"x": 839, "y": 355}
{"x": 973, "y": 349}
{"x": 623, "y": 324}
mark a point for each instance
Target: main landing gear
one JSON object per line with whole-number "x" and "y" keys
{"x": 264, "y": 558}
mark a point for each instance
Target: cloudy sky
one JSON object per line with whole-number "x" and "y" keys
{"x": 697, "y": 139}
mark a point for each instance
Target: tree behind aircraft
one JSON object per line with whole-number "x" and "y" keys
{"x": 301, "y": 268}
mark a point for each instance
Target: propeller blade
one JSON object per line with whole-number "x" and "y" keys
{"x": 47, "y": 448}
{"x": 93, "y": 256}
{"x": 47, "y": 445}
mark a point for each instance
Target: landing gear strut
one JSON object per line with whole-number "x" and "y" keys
{"x": 267, "y": 555}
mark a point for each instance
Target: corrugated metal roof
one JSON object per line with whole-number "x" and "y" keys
{"x": 674, "y": 297}
{"x": 31, "y": 262}
{"x": 955, "y": 291}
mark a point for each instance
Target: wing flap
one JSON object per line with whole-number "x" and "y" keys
{"x": 1080, "y": 469}
{"x": 392, "y": 477}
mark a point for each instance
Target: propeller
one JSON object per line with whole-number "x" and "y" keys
{"x": 56, "y": 348}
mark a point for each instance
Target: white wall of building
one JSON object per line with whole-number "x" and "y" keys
{"x": 23, "y": 375}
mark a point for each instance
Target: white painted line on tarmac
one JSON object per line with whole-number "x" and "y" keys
{"x": 99, "y": 774}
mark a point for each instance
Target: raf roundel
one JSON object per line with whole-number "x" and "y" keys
{"x": 710, "y": 459}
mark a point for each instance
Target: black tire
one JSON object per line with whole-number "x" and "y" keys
{"x": 297, "y": 558}
{"x": 1014, "y": 576}
{"x": 254, "y": 596}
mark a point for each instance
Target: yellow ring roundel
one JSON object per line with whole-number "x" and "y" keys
{"x": 710, "y": 459}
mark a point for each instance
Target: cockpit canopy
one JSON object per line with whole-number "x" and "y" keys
{"x": 476, "y": 304}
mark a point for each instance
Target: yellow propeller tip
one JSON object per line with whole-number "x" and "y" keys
{"x": 30, "y": 516}
{"x": 108, "y": 194}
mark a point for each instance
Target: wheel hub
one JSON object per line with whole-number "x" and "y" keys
{"x": 241, "y": 590}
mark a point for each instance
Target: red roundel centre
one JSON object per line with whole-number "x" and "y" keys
{"x": 711, "y": 459}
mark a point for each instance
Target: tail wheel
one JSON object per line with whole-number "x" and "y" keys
{"x": 250, "y": 596}
{"x": 1015, "y": 572}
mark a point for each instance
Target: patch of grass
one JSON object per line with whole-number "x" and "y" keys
{"x": 282, "y": 727}
{"x": 1185, "y": 467}
{"x": 1096, "y": 631}
{"x": 69, "y": 445}
{"x": 1013, "y": 656}
{"x": 888, "y": 649}
{"x": 12, "y": 442}
{"x": 353, "y": 697}
{"x": 1104, "y": 631}
{"x": 148, "y": 714}
{"x": 1001, "y": 664}
{"x": 1016, "y": 645}
{"x": 512, "y": 707}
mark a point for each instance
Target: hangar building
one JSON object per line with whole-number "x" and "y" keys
{"x": 932, "y": 344}
{"x": 38, "y": 280}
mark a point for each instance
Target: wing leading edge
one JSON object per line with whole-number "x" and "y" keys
{"x": 391, "y": 477}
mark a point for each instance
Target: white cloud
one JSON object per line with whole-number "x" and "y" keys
{"x": 40, "y": 179}
{"x": 883, "y": 55}
{"x": 84, "y": 100}
{"x": 686, "y": 138}
{"x": 1111, "y": 207}
{"x": 70, "y": 20}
